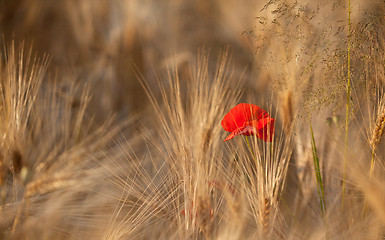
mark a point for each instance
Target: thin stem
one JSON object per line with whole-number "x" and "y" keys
{"x": 372, "y": 163}
{"x": 363, "y": 212}
{"x": 348, "y": 90}
{"x": 251, "y": 149}
{"x": 317, "y": 170}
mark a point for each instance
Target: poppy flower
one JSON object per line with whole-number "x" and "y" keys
{"x": 249, "y": 119}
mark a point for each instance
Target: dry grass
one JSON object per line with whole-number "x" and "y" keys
{"x": 110, "y": 118}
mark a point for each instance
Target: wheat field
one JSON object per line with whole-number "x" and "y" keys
{"x": 111, "y": 111}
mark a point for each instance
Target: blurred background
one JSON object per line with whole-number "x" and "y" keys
{"x": 108, "y": 44}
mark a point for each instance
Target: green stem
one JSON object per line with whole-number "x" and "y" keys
{"x": 317, "y": 170}
{"x": 251, "y": 149}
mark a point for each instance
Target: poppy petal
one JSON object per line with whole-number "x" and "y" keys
{"x": 240, "y": 114}
{"x": 231, "y": 135}
{"x": 246, "y": 130}
{"x": 265, "y": 128}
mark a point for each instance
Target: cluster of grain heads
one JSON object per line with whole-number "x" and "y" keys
{"x": 21, "y": 77}
{"x": 190, "y": 136}
{"x": 186, "y": 183}
{"x": 48, "y": 146}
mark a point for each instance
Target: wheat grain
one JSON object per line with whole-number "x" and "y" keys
{"x": 378, "y": 130}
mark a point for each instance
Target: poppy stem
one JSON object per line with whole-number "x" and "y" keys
{"x": 248, "y": 144}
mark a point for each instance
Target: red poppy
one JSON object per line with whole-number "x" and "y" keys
{"x": 249, "y": 119}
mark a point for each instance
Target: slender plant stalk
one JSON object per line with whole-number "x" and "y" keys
{"x": 251, "y": 149}
{"x": 317, "y": 172}
{"x": 372, "y": 163}
{"x": 365, "y": 205}
{"x": 347, "y": 103}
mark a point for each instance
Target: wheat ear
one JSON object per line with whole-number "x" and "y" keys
{"x": 378, "y": 131}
